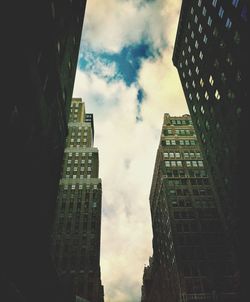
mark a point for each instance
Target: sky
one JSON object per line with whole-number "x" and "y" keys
{"x": 126, "y": 78}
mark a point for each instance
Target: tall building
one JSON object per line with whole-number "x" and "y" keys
{"x": 77, "y": 230}
{"x": 192, "y": 258}
{"x": 40, "y": 45}
{"x": 211, "y": 55}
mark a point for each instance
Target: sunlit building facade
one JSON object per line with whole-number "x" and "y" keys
{"x": 76, "y": 237}
{"x": 192, "y": 259}
{"x": 211, "y": 54}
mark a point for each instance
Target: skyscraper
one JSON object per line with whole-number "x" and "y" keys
{"x": 76, "y": 237}
{"x": 40, "y": 48}
{"x": 192, "y": 258}
{"x": 211, "y": 55}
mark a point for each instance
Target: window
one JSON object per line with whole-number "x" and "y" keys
{"x": 192, "y": 34}
{"x": 183, "y": 53}
{"x": 201, "y": 82}
{"x": 197, "y": 96}
{"x": 200, "y": 163}
{"x": 200, "y": 28}
{"x": 195, "y": 19}
{"x": 209, "y": 21}
{"x": 201, "y": 55}
{"x": 202, "y": 110}
{"x": 186, "y": 62}
{"x": 194, "y": 109}
{"x": 192, "y": 10}
{"x": 211, "y": 80}
{"x": 217, "y": 94}
{"x": 215, "y": 32}
{"x": 188, "y": 163}
{"x": 204, "y": 11}
{"x": 221, "y": 12}
{"x": 228, "y": 23}
{"x": 199, "y": 3}
{"x": 214, "y": 3}
{"x": 193, "y": 84}
{"x": 189, "y": 49}
{"x": 193, "y": 59}
{"x": 235, "y": 3}
{"x": 188, "y": 25}
{"x": 190, "y": 72}
{"x": 196, "y": 44}
{"x": 186, "y": 85}
{"x": 206, "y": 95}
{"x": 205, "y": 39}
{"x": 190, "y": 96}
{"x": 58, "y": 47}
{"x": 183, "y": 74}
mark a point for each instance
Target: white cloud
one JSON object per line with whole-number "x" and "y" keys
{"x": 127, "y": 149}
{"x": 112, "y": 24}
{"x": 126, "y": 152}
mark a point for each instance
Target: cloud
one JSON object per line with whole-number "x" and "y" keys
{"x": 127, "y": 148}
{"x": 111, "y": 25}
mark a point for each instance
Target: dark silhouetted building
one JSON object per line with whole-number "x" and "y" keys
{"x": 192, "y": 258}
{"x": 76, "y": 237}
{"x": 211, "y": 55}
{"x": 40, "y": 45}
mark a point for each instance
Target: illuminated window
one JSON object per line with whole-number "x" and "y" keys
{"x": 205, "y": 39}
{"x": 217, "y": 95}
{"x": 196, "y": 44}
{"x": 194, "y": 109}
{"x": 204, "y": 11}
{"x": 202, "y": 110}
{"x": 201, "y": 82}
{"x": 199, "y": 3}
{"x": 193, "y": 59}
{"x": 200, "y": 28}
{"x": 192, "y": 34}
{"x": 190, "y": 72}
{"x": 197, "y": 96}
{"x": 190, "y": 96}
{"x": 189, "y": 49}
{"x": 195, "y": 19}
{"x": 201, "y": 55}
{"x": 211, "y": 80}
{"x": 193, "y": 84}
{"x": 206, "y": 95}
{"x": 192, "y": 10}
{"x": 197, "y": 70}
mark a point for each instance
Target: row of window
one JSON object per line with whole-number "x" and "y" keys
{"x": 185, "y": 192}
{"x": 197, "y": 173}
{"x": 180, "y": 142}
{"x": 180, "y": 122}
{"x": 193, "y": 181}
{"x": 70, "y": 154}
{"x": 191, "y": 154}
{"x": 179, "y": 163}
{"x": 76, "y": 161}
